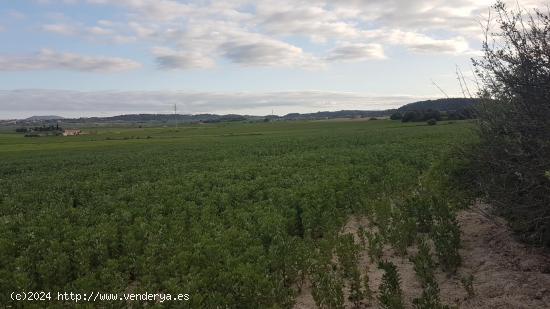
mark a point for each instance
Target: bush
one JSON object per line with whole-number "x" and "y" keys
{"x": 432, "y": 122}
{"x": 514, "y": 153}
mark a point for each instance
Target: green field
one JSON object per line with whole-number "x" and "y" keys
{"x": 233, "y": 214}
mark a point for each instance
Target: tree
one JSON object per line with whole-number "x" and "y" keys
{"x": 396, "y": 116}
{"x": 514, "y": 126}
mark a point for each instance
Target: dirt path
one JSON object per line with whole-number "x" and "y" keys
{"x": 506, "y": 273}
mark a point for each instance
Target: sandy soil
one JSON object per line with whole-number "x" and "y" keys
{"x": 506, "y": 273}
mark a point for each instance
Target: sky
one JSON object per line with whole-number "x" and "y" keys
{"x": 78, "y": 58}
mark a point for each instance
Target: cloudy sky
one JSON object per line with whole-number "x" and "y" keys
{"x": 103, "y": 57}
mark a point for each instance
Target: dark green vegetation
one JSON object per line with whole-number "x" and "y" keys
{"x": 511, "y": 165}
{"x": 233, "y": 214}
{"x": 432, "y": 111}
{"x": 442, "y": 105}
{"x": 40, "y": 131}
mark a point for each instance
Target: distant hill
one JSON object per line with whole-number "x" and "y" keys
{"x": 213, "y": 118}
{"x": 337, "y": 114}
{"x": 442, "y": 105}
{"x": 44, "y": 118}
{"x": 451, "y": 104}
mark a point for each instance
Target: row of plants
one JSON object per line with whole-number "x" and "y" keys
{"x": 425, "y": 219}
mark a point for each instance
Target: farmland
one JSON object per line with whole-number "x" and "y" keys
{"x": 236, "y": 214}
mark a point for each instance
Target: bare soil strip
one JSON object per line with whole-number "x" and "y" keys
{"x": 507, "y": 274}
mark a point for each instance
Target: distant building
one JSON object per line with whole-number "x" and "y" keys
{"x": 71, "y": 132}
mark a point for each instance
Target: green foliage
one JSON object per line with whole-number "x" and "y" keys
{"x": 375, "y": 245}
{"x": 348, "y": 255}
{"x": 361, "y": 235}
{"x": 446, "y": 237}
{"x": 448, "y": 104}
{"x": 366, "y": 287}
{"x": 396, "y": 116}
{"x": 327, "y": 287}
{"x": 432, "y": 122}
{"x": 419, "y": 206}
{"x": 233, "y": 214}
{"x": 356, "y": 293}
{"x": 429, "y": 298}
{"x": 424, "y": 265}
{"x": 421, "y": 115}
{"x": 402, "y": 231}
{"x": 514, "y": 128}
{"x": 390, "y": 294}
{"x": 468, "y": 284}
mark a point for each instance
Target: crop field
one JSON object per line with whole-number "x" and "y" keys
{"x": 237, "y": 215}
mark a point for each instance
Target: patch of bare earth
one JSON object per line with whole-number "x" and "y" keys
{"x": 507, "y": 274}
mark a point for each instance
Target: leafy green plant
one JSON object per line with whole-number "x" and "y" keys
{"x": 419, "y": 206}
{"x": 366, "y": 287}
{"x": 361, "y": 235}
{"x": 390, "y": 294}
{"x": 424, "y": 267}
{"x": 468, "y": 284}
{"x": 429, "y": 298}
{"x": 402, "y": 231}
{"x": 356, "y": 293}
{"x": 348, "y": 255}
{"x": 423, "y": 264}
{"x": 375, "y": 243}
{"x": 327, "y": 287}
{"x": 446, "y": 237}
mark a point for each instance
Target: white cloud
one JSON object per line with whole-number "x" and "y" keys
{"x": 105, "y": 31}
{"x": 51, "y": 60}
{"x": 315, "y": 22}
{"x": 163, "y": 10}
{"x": 63, "y": 29}
{"x": 197, "y": 33}
{"x": 421, "y": 43}
{"x": 18, "y": 103}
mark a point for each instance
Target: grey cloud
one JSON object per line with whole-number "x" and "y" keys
{"x": 169, "y": 59}
{"x": 356, "y": 52}
{"x": 51, "y": 60}
{"x": 264, "y": 53}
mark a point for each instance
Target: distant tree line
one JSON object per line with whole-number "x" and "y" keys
{"x": 43, "y": 128}
{"x": 435, "y": 115}
{"x": 447, "y": 104}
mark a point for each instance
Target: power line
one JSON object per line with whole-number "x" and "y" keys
{"x": 442, "y": 91}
